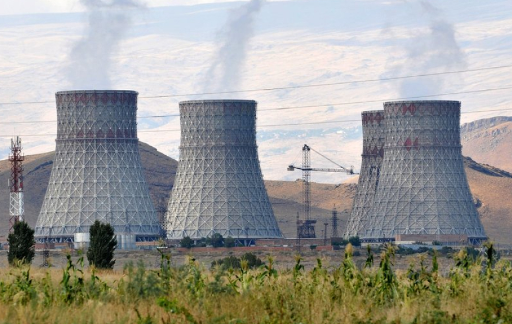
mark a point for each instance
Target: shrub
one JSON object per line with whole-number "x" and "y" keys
{"x": 216, "y": 240}
{"x": 21, "y": 244}
{"x": 187, "y": 242}
{"x": 227, "y": 262}
{"x": 235, "y": 263}
{"x": 102, "y": 246}
{"x": 354, "y": 240}
{"x": 201, "y": 242}
{"x": 229, "y": 242}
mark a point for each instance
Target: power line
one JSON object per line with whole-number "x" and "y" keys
{"x": 293, "y": 87}
{"x": 330, "y": 84}
{"x": 259, "y": 126}
{"x": 392, "y": 99}
{"x": 317, "y": 106}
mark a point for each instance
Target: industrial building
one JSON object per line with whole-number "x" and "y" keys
{"x": 373, "y": 124}
{"x": 219, "y": 185}
{"x": 97, "y": 173}
{"x": 422, "y": 193}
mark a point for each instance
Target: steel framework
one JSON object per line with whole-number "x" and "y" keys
{"x": 373, "y": 153}
{"x": 219, "y": 186}
{"x": 16, "y": 208}
{"x": 306, "y": 227}
{"x": 422, "y": 188}
{"x": 97, "y": 172}
{"x": 334, "y": 223}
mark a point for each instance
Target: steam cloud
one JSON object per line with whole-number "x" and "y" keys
{"x": 234, "y": 38}
{"x": 91, "y": 57}
{"x": 434, "y": 51}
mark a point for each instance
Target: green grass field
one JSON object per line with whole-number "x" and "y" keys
{"x": 473, "y": 291}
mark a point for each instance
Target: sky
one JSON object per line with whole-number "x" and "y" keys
{"x": 170, "y": 48}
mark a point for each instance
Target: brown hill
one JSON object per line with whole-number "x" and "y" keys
{"x": 158, "y": 168}
{"x": 489, "y": 141}
{"x": 491, "y": 187}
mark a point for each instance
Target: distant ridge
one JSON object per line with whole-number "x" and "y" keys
{"x": 489, "y": 141}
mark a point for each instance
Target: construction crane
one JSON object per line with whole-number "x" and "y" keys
{"x": 306, "y": 227}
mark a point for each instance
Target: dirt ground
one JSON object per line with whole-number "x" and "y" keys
{"x": 283, "y": 259}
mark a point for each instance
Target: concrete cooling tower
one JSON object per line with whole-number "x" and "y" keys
{"x": 373, "y": 153}
{"x": 423, "y": 194}
{"x": 219, "y": 186}
{"x": 97, "y": 173}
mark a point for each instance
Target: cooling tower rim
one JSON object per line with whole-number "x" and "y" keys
{"x": 94, "y": 91}
{"x": 372, "y": 111}
{"x": 422, "y": 102}
{"x": 217, "y": 101}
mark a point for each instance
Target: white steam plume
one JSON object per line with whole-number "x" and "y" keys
{"x": 90, "y": 59}
{"x": 436, "y": 50}
{"x": 233, "y": 39}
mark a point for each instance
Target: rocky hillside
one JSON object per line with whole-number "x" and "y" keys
{"x": 489, "y": 141}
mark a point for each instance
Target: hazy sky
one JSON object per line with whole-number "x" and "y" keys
{"x": 168, "y": 48}
{"x": 20, "y": 7}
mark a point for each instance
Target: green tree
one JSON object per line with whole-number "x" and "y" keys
{"x": 217, "y": 240}
{"x": 229, "y": 242}
{"x": 21, "y": 244}
{"x": 354, "y": 240}
{"x": 187, "y": 242}
{"x": 102, "y": 246}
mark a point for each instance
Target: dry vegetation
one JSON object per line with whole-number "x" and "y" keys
{"x": 471, "y": 292}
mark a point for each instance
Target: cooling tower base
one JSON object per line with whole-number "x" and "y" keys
{"x": 429, "y": 239}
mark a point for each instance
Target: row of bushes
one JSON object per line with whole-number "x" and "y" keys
{"x": 216, "y": 240}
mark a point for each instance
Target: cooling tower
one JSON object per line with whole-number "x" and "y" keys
{"x": 97, "y": 173}
{"x": 219, "y": 186}
{"x": 373, "y": 153}
{"x": 423, "y": 193}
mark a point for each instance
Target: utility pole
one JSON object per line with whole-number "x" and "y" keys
{"x": 46, "y": 249}
{"x": 325, "y": 233}
{"x": 299, "y": 229}
{"x": 334, "y": 222}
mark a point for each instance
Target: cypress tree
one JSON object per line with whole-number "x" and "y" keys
{"x": 102, "y": 246}
{"x": 21, "y": 244}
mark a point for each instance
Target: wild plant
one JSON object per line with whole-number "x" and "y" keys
{"x": 297, "y": 270}
{"x": 72, "y": 283}
{"x": 140, "y": 283}
{"x": 96, "y": 287}
{"x": 172, "y": 307}
{"x": 195, "y": 279}
{"x": 385, "y": 289}
{"x": 165, "y": 272}
{"x": 268, "y": 272}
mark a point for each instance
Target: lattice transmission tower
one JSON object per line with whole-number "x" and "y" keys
{"x": 16, "y": 207}
{"x": 334, "y": 223}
